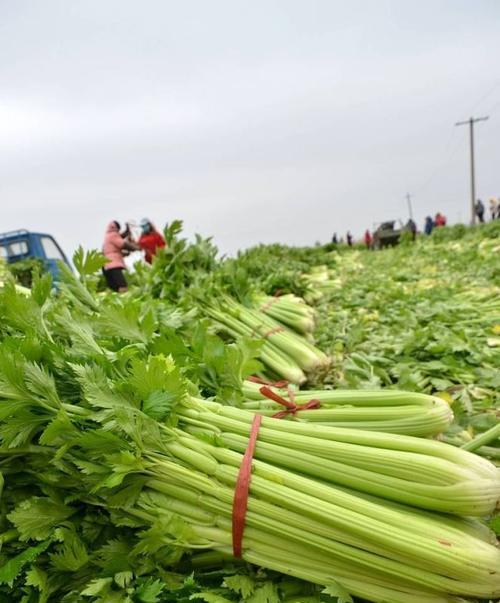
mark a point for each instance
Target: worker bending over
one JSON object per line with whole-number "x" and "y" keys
{"x": 115, "y": 247}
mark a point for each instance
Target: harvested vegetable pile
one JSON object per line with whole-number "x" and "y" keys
{"x": 125, "y": 422}
{"x": 424, "y": 318}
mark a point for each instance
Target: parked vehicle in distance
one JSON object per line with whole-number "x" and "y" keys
{"x": 18, "y": 245}
{"x": 386, "y": 235}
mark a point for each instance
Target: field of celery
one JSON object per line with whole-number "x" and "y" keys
{"x": 424, "y": 318}
{"x": 123, "y": 421}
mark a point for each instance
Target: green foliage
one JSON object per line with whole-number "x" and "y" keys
{"x": 25, "y": 271}
{"x": 88, "y": 263}
{"x": 36, "y": 517}
{"x": 178, "y": 267}
{"x": 11, "y": 568}
{"x": 338, "y": 592}
{"x": 406, "y": 238}
{"x": 273, "y": 268}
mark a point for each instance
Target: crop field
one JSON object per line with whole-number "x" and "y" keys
{"x": 292, "y": 425}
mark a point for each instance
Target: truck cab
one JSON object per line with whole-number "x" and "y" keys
{"x": 387, "y": 235}
{"x": 19, "y": 245}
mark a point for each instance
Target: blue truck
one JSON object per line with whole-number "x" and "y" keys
{"x": 19, "y": 245}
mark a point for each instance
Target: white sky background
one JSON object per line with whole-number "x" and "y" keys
{"x": 253, "y": 121}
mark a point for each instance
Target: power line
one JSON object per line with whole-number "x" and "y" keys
{"x": 449, "y": 152}
{"x": 494, "y": 108}
{"x": 485, "y": 96}
{"x": 471, "y": 121}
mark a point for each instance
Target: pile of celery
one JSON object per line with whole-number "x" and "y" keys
{"x": 114, "y": 466}
{"x": 321, "y": 281}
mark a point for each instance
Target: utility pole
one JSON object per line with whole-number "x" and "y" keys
{"x": 471, "y": 121}
{"x": 408, "y": 200}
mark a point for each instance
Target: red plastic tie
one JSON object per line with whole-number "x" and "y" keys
{"x": 240, "y": 500}
{"x": 291, "y": 407}
{"x": 273, "y": 331}
{"x": 269, "y": 303}
{"x": 257, "y": 333}
{"x": 255, "y": 379}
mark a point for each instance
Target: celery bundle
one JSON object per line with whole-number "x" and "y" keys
{"x": 419, "y": 472}
{"x": 289, "y": 310}
{"x": 286, "y": 353}
{"x": 368, "y": 547}
{"x": 321, "y": 281}
{"x": 113, "y": 449}
{"x": 406, "y": 413}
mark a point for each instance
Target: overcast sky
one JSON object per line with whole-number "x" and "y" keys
{"x": 253, "y": 121}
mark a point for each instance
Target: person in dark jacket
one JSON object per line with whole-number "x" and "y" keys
{"x": 479, "y": 208}
{"x": 429, "y": 225}
{"x": 412, "y": 227}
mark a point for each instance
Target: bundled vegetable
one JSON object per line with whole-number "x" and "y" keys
{"x": 321, "y": 281}
{"x": 120, "y": 454}
{"x": 419, "y": 472}
{"x": 406, "y": 413}
{"x": 319, "y": 533}
{"x": 286, "y": 353}
{"x": 289, "y": 310}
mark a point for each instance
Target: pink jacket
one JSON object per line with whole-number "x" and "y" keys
{"x": 112, "y": 247}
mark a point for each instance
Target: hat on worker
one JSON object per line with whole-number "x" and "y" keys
{"x": 146, "y": 225}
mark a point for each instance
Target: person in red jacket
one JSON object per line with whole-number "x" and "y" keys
{"x": 439, "y": 220}
{"x": 150, "y": 240}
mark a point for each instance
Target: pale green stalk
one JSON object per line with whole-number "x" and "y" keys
{"x": 482, "y": 439}
{"x": 412, "y": 543}
{"x": 415, "y": 476}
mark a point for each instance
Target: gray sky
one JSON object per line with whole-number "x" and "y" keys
{"x": 254, "y": 121}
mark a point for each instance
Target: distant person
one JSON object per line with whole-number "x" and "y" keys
{"x": 439, "y": 220}
{"x": 115, "y": 247}
{"x": 479, "y": 209}
{"x": 150, "y": 240}
{"x": 412, "y": 227}
{"x": 368, "y": 239}
{"x": 349, "y": 238}
{"x": 428, "y": 226}
{"x": 334, "y": 239}
{"x": 494, "y": 208}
